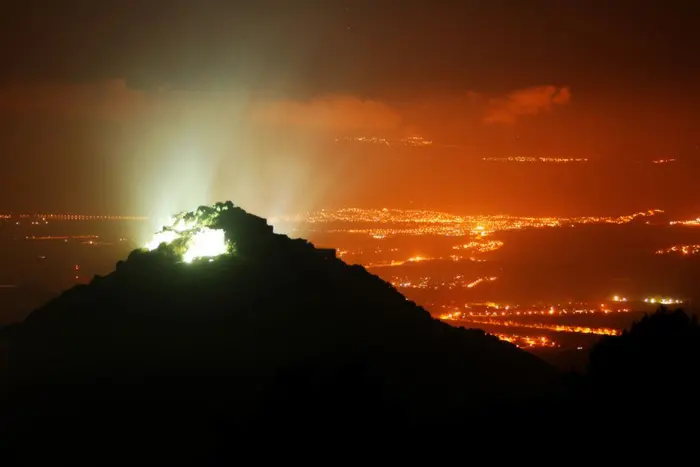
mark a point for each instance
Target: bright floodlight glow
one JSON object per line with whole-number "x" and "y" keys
{"x": 165, "y": 236}
{"x": 182, "y": 225}
{"x": 191, "y": 236}
{"x": 206, "y": 243}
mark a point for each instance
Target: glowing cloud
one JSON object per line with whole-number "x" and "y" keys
{"x": 525, "y": 102}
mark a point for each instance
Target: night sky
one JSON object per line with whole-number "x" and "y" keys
{"x": 119, "y": 105}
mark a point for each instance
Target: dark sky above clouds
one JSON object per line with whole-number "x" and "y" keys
{"x": 373, "y": 48}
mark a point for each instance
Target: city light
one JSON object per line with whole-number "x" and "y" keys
{"x": 690, "y": 223}
{"x": 396, "y": 222}
{"x": 526, "y": 341}
{"x": 543, "y": 326}
{"x": 413, "y": 141}
{"x": 426, "y": 282}
{"x": 663, "y": 301}
{"x": 546, "y": 160}
{"x": 500, "y": 311}
{"x": 384, "y": 264}
{"x": 480, "y": 246}
{"x": 71, "y": 217}
{"x": 480, "y": 280}
{"x": 685, "y": 250}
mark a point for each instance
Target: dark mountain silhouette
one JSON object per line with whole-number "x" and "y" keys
{"x": 642, "y": 381}
{"x": 659, "y": 355}
{"x": 276, "y": 336}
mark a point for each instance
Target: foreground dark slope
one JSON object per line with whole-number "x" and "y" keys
{"x": 277, "y": 331}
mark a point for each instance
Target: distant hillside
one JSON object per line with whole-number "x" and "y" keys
{"x": 273, "y": 333}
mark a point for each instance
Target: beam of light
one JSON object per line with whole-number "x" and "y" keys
{"x": 199, "y": 147}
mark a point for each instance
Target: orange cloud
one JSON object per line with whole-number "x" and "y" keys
{"x": 338, "y": 115}
{"x": 525, "y": 102}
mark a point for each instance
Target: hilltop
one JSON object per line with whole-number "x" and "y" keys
{"x": 269, "y": 332}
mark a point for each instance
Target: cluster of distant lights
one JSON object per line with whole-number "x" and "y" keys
{"x": 425, "y": 222}
{"x": 392, "y": 263}
{"x": 690, "y": 223}
{"x": 414, "y": 141}
{"x": 480, "y": 246}
{"x": 457, "y": 282}
{"x": 652, "y": 300}
{"x": 84, "y": 238}
{"x": 526, "y": 342}
{"x": 71, "y": 217}
{"x": 493, "y": 309}
{"x": 429, "y": 222}
{"x": 663, "y": 161}
{"x": 413, "y": 259}
{"x": 685, "y": 250}
{"x": 501, "y": 315}
{"x": 551, "y": 312}
{"x": 546, "y": 160}
{"x": 663, "y": 301}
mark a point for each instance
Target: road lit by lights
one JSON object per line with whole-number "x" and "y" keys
{"x": 663, "y": 301}
{"x": 663, "y": 161}
{"x": 385, "y": 264}
{"x": 544, "y": 326}
{"x": 62, "y": 237}
{"x": 70, "y": 217}
{"x": 685, "y": 250}
{"x": 526, "y": 342}
{"x": 690, "y": 223}
{"x": 546, "y": 160}
{"x": 506, "y": 312}
{"x": 480, "y": 247}
{"x": 414, "y": 141}
{"x": 479, "y": 281}
{"x": 426, "y": 282}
